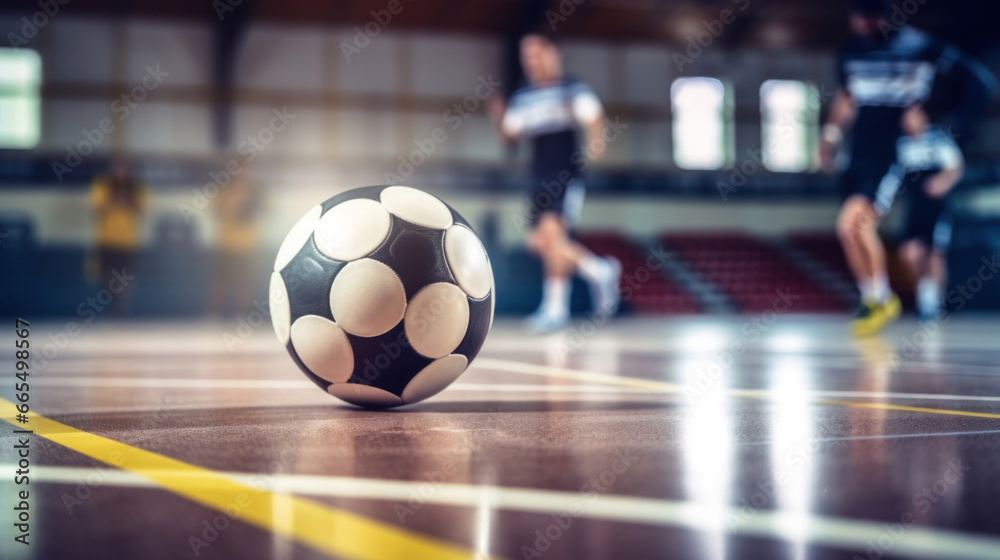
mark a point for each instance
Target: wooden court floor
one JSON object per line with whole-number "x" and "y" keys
{"x": 687, "y": 438}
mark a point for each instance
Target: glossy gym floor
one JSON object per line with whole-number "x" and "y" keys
{"x": 688, "y": 438}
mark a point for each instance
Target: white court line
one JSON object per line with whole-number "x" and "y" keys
{"x": 763, "y": 347}
{"x": 842, "y": 533}
{"x": 667, "y": 387}
{"x": 655, "y": 388}
{"x": 198, "y": 383}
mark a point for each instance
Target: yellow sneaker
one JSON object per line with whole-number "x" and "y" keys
{"x": 870, "y": 318}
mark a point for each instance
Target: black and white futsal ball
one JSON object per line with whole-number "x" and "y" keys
{"x": 382, "y": 295}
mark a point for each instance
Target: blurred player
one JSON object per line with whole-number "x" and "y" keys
{"x": 882, "y": 70}
{"x": 118, "y": 202}
{"x": 929, "y": 163}
{"x": 551, "y": 111}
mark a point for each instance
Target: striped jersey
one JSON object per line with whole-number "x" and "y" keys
{"x": 551, "y": 116}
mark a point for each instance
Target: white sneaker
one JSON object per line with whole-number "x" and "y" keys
{"x": 605, "y": 294}
{"x": 542, "y": 323}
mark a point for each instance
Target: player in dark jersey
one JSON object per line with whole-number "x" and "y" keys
{"x": 883, "y": 70}
{"x": 551, "y": 111}
{"x": 928, "y": 164}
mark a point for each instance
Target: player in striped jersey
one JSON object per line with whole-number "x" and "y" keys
{"x": 552, "y": 111}
{"x": 928, "y": 164}
{"x": 882, "y": 71}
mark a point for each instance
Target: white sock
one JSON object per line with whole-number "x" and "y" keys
{"x": 555, "y": 297}
{"x": 882, "y": 289}
{"x": 592, "y": 267}
{"x": 869, "y": 292}
{"x": 928, "y": 296}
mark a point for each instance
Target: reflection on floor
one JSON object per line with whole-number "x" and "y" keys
{"x": 691, "y": 438}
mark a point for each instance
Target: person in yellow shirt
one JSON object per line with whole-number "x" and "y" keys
{"x": 118, "y": 202}
{"x": 237, "y": 211}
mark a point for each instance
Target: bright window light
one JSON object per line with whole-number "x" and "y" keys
{"x": 789, "y": 125}
{"x": 20, "y": 98}
{"x": 703, "y": 119}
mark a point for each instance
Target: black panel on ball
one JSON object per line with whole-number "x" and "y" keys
{"x": 458, "y": 219}
{"x": 370, "y": 193}
{"x": 416, "y": 254}
{"x": 308, "y": 279}
{"x": 386, "y": 361}
{"x": 479, "y": 326}
{"x": 322, "y": 383}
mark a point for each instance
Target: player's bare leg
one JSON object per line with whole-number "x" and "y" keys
{"x": 914, "y": 254}
{"x": 553, "y": 312}
{"x": 928, "y": 267}
{"x": 857, "y": 228}
{"x": 602, "y": 274}
{"x": 937, "y": 275}
{"x": 562, "y": 257}
{"x": 937, "y": 267}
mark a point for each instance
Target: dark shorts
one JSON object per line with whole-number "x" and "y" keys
{"x": 564, "y": 198}
{"x": 925, "y": 220}
{"x": 865, "y": 178}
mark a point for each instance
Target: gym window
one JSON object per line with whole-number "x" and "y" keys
{"x": 20, "y": 98}
{"x": 789, "y": 113}
{"x": 702, "y": 123}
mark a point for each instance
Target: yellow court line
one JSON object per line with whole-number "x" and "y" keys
{"x": 667, "y": 387}
{"x": 331, "y": 531}
{"x": 887, "y": 406}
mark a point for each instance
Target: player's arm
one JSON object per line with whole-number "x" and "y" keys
{"x": 507, "y": 118}
{"x": 891, "y": 182}
{"x": 941, "y": 183}
{"x": 838, "y": 124}
{"x": 595, "y": 129}
{"x": 589, "y": 113}
{"x": 952, "y": 168}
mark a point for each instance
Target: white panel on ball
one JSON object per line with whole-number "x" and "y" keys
{"x": 352, "y": 229}
{"x": 437, "y": 319}
{"x": 367, "y": 298}
{"x": 323, "y": 348}
{"x": 467, "y": 261}
{"x": 277, "y": 301}
{"x": 493, "y": 300}
{"x": 364, "y": 395}
{"x": 434, "y": 378}
{"x": 417, "y": 207}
